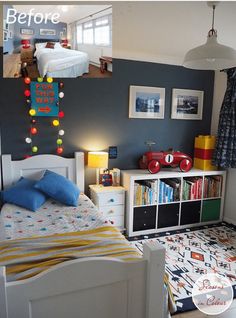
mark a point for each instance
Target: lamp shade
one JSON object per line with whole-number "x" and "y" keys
{"x": 25, "y": 43}
{"x": 98, "y": 159}
{"x": 64, "y": 42}
{"x": 210, "y": 56}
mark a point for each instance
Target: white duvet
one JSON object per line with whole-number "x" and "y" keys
{"x": 57, "y": 59}
{"x": 51, "y": 218}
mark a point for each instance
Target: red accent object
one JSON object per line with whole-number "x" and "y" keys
{"x": 27, "y": 156}
{"x": 198, "y": 256}
{"x": 61, "y": 85}
{"x": 153, "y": 161}
{"x": 25, "y": 43}
{"x": 61, "y": 114}
{"x": 27, "y": 80}
{"x": 33, "y": 130}
{"x": 27, "y": 92}
{"x": 33, "y": 121}
{"x": 44, "y": 109}
{"x": 203, "y": 153}
{"x": 64, "y": 42}
{"x": 154, "y": 166}
{"x": 60, "y": 150}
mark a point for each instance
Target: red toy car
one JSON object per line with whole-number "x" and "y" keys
{"x": 153, "y": 161}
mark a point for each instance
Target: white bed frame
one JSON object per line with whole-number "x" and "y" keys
{"x": 99, "y": 287}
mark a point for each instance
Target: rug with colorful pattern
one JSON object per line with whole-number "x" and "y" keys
{"x": 194, "y": 252}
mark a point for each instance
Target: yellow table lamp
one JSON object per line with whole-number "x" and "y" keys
{"x": 97, "y": 159}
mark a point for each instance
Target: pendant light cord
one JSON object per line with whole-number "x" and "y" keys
{"x": 212, "y": 30}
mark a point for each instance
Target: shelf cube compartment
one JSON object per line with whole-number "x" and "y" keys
{"x": 190, "y": 212}
{"x": 168, "y": 215}
{"x": 144, "y": 218}
{"x": 211, "y": 210}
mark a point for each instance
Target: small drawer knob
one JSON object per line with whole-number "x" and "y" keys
{"x": 112, "y": 200}
{"x": 111, "y": 211}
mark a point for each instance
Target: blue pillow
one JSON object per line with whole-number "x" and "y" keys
{"x": 59, "y": 188}
{"x": 24, "y": 194}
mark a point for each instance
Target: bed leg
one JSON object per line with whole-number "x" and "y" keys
{"x": 154, "y": 253}
{"x": 3, "y": 293}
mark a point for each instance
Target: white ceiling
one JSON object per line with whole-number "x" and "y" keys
{"x": 68, "y": 13}
{"x": 161, "y": 31}
{"x": 164, "y": 31}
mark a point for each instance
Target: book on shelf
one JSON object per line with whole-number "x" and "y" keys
{"x": 192, "y": 188}
{"x": 212, "y": 186}
{"x": 145, "y": 192}
{"x": 169, "y": 190}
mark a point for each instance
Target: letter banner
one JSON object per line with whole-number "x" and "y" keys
{"x": 44, "y": 98}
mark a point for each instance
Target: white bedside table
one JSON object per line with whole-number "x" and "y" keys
{"x": 110, "y": 202}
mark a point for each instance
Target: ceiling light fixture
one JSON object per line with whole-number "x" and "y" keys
{"x": 211, "y": 55}
{"x": 64, "y": 8}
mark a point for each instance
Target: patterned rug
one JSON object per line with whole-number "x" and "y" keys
{"x": 194, "y": 252}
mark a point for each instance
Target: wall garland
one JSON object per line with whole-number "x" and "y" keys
{"x": 44, "y": 98}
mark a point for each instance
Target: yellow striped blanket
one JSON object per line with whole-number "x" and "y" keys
{"x": 28, "y": 257}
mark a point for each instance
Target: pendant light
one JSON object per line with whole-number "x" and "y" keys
{"x": 211, "y": 55}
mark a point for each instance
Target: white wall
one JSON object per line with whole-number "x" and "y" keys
{"x": 230, "y": 202}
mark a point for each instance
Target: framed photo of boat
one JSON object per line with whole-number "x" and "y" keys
{"x": 187, "y": 104}
{"x": 146, "y": 102}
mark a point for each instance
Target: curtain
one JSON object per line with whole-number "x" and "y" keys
{"x": 73, "y": 35}
{"x": 225, "y": 151}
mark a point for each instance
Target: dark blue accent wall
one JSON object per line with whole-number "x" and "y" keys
{"x": 96, "y": 113}
{"x": 8, "y": 45}
{"x": 15, "y": 43}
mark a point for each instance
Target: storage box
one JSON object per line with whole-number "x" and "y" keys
{"x": 205, "y": 142}
{"x": 203, "y": 152}
{"x": 204, "y": 164}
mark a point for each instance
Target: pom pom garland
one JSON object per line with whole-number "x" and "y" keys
{"x": 33, "y": 130}
{"x": 34, "y": 149}
{"x": 28, "y": 140}
{"x": 59, "y": 141}
{"x": 35, "y": 110}
{"x": 32, "y": 112}
{"x": 59, "y": 150}
{"x": 56, "y": 122}
{"x": 27, "y": 92}
{"x": 61, "y": 114}
{"x": 27, "y": 80}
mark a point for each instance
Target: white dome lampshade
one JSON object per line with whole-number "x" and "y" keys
{"x": 211, "y": 55}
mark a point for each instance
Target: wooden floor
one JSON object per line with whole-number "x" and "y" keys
{"x": 230, "y": 313}
{"x": 94, "y": 72}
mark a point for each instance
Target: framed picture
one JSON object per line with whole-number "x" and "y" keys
{"x": 187, "y": 104}
{"x": 47, "y": 32}
{"x": 146, "y": 102}
{"x": 10, "y": 34}
{"x": 27, "y": 31}
{"x": 5, "y": 25}
{"x": 5, "y": 35}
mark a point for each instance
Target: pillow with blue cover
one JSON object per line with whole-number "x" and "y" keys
{"x": 59, "y": 188}
{"x": 24, "y": 194}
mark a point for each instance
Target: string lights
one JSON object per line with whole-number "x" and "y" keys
{"x": 43, "y": 99}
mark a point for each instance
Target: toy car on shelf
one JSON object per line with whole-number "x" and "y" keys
{"x": 153, "y": 161}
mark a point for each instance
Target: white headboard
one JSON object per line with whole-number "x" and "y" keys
{"x": 34, "y": 167}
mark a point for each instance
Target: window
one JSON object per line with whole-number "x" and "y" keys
{"x": 79, "y": 34}
{"x": 95, "y": 32}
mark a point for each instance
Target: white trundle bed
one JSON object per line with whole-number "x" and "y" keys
{"x": 100, "y": 287}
